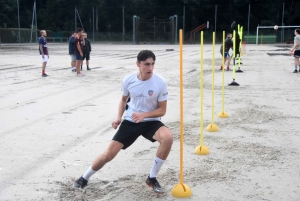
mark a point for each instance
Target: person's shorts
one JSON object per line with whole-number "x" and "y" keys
{"x": 78, "y": 57}
{"x": 45, "y": 59}
{"x": 129, "y": 131}
{"x": 297, "y": 53}
{"x": 73, "y": 57}
{"x": 227, "y": 55}
{"x": 86, "y": 56}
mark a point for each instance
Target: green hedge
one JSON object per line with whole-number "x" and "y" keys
{"x": 262, "y": 39}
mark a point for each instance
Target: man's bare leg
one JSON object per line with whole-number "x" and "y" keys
{"x": 296, "y": 62}
{"x": 112, "y": 150}
{"x": 78, "y": 62}
{"x": 164, "y": 136}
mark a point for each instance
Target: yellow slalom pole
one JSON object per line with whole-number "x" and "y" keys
{"x": 181, "y": 190}
{"x": 240, "y": 34}
{"x": 213, "y": 127}
{"x": 234, "y": 51}
{"x": 233, "y": 83}
{"x": 223, "y": 114}
{"x": 201, "y": 149}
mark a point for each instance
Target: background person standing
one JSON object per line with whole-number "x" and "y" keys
{"x": 78, "y": 51}
{"x": 86, "y": 50}
{"x": 296, "y": 50}
{"x": 228, "y": 45}
{"x": 43, "y": 51}
{"x": 71, "y": 51}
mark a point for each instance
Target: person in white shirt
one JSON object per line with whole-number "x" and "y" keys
{"x": 148, "y": 94}
{"x": 295, "y": 50}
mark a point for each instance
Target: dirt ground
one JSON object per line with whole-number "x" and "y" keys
{"x": 52, "y": 128}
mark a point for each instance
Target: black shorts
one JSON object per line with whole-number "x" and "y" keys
{"x": 86, "y": 56}
{"x": 129, "y": 131}
{"x": 297, "y": 53}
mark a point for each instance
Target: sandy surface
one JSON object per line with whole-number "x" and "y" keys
{"x": 52, "y": 128}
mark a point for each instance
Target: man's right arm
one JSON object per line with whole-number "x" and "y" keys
{"x": 79, "y": 48}
{"x": 41, "y": 49}
{"x": 121, "y": 109}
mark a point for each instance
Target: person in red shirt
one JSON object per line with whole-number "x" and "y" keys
{"x": 78, "y": 51}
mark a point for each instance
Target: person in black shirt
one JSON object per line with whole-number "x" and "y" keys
{"x": 86, "y": 50}
{"x": 228, "y": 45}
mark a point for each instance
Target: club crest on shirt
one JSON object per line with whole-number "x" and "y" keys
{"x": 150, "y": 92}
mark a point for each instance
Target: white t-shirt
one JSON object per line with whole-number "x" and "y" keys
{"x": 297, "y": 40}
{"x": 144, "y": 95}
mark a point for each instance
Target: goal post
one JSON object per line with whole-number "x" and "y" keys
{"x": 272, "y": 27}
{"x": 155, "y": 30}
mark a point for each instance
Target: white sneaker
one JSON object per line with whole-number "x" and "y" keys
{"x": 80, "y": 75}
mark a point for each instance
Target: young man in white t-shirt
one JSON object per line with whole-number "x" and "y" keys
{"x": 148, "y": 103}
{"x": 296, "y": 50}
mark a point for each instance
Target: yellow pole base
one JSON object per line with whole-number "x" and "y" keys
{"x": 181, "y": 191}
{"x": 212, "y": 128}
{"x": 223, "y": 115}
{"x": 201, "y": 150}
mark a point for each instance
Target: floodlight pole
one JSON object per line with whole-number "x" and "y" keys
{"x": 183, "y": 22}
{"x": 80, "y": 19}
{"x": 32, "y": 24}
{"x": 93, "y": 26}
{"x": 282, "y": 31}
{"x": 123, "y": 22}
{"x": 133, "y": 29}
{"x": 154, "y": 30}
{"x": 176, "y": 27}
{"x": 75, "y": 20}
{"x": 216, "y": 11}
{"x": 248, "y": 20}
{"x": 35, "y": 21}
{"x": 19, "y": 22}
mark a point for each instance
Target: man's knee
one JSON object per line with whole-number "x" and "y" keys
{"x": 166, "y": 136}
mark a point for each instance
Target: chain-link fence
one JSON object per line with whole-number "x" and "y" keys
{"x": 118, "y": 26}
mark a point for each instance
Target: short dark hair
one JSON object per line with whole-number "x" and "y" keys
{"x": 297, "y": 30}
{"x": 144, "y": 55}
{"x": 79, "y": 30}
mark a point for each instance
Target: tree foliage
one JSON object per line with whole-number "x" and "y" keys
{"x": 59, "y": 15}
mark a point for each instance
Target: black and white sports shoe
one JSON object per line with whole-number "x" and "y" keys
{"x": 295, "y": 71}
{"x": 153, "y": 183}
{"x": 44, "y": 75}
{"x": 80, "y": 183}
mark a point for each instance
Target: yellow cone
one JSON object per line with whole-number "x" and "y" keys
{"x": 181, "y": 191}
{"x": 212, "y": 128}
{"x": 223, "y": 115}
{"x": 201, "y": 150}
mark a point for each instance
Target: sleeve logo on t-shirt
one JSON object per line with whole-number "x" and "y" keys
{"x": 150, "y": 92}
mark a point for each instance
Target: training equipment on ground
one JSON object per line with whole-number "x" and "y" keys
{"x": 212, "y": 127}
{"x": 223, "y": 114}
{"x": 269, "y": 35}
{"x": 154, "y": 31}
{"x": 234, "y": 83}
{"x": 201, "y": 149}
{"x": 181, "y": 190}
